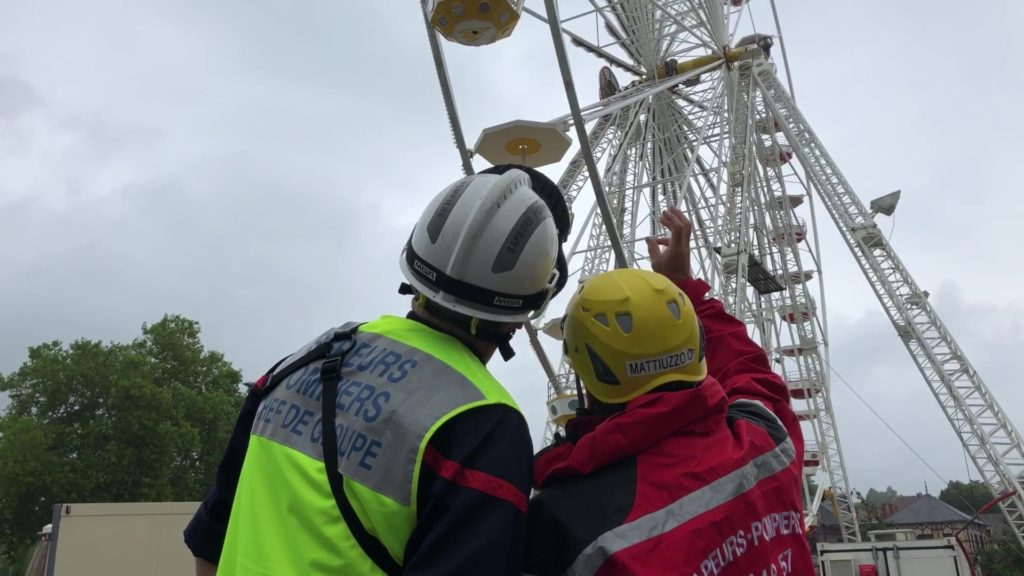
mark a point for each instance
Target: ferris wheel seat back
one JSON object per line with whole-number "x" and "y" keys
{"x": 803, "y": 388}
{"x": 475, "y": 22}
{"x": 806, "y": 415}
{"x": 795, "y": 231}
{"x": 777, "y": 155}
{"x": 798, "y": 312}
{"x": 812, "y": 459}
{"x": 798, "y": 349}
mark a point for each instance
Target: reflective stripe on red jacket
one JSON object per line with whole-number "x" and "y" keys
{"x": 700, "y": 482}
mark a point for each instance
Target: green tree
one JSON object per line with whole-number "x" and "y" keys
{"x": 92, "y": 422}
{"x": 877, "y": 498}
{"x": 1002, "y": 558}
{"x": 872, "y": 503}
{"x": 968, "y": 497}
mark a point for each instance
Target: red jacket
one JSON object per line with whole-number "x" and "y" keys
{"x": 703, "y": 481}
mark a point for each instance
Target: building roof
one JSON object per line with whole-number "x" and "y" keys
{"x": 927, "y": 509}
{"x": 900, "y": 502}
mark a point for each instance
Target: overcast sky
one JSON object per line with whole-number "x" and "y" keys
{"x": 257, "y": 166}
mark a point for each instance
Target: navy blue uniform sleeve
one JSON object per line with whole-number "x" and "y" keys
{"x": 472, "y": 496}
{"x": 205, "y": 533}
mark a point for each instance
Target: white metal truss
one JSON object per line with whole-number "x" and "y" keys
{"x": 705, "y": 124}
{"x": 779, "y": 236}
{"x": 990, "y": 438}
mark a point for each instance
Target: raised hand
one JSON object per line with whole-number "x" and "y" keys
{"x": 670, "y": 257}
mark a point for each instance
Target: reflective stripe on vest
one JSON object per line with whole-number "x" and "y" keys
{"x": 400, "y": 383}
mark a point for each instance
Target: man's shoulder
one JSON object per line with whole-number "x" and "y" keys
{"x": 613, "y": 487}
{"x": 490, "y": 436}
{"x": 483, "y": 425}
{"x": 762, "y": 415}
{"x": 569, "y": 514}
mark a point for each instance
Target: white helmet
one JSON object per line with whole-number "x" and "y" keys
{"x": 485, "y": 247}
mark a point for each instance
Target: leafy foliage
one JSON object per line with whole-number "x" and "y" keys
{"x": 1002, "y": 557}
{"x": 877, "y": 498}
{"x": 93, "y": 422}
{"x": 871, "y": 505}
{"x": 968, "y": 497}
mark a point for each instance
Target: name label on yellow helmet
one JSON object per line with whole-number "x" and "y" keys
{"x": 660, "y": 364}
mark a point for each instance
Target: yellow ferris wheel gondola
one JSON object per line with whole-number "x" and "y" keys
{"x": 475, "y": 22}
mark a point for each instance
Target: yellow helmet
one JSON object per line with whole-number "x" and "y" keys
{"x": 629, "y": 331}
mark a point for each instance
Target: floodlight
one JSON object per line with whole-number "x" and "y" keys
{"x": 885, "y": 204}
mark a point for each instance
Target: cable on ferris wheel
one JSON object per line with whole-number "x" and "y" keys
{"x": 706, "y": 124}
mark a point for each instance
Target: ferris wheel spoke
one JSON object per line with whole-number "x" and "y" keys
{"x": 591, "y": 47}
{"x": 711, "y": 12}
{"x": 585, "y": 149}
{"x": 693, "y": 34}
{"x": 615, "y": 30}
{"x": 631, "y": 96}
{"x": 576, "y": 176}
{"x": 734, "y": 20}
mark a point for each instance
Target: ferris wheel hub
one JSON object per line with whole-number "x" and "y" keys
{"x": 523, "y": 142}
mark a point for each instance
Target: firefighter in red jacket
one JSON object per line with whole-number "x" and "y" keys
{"x": 688, "y": 458}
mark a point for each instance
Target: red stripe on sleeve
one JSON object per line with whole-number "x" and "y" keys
{"x": 475, "y": 479}
{"x": 259, "y": 384}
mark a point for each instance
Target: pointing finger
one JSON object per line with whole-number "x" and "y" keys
{"x": 678, "y": 228}
{"x": 653, "y": 250}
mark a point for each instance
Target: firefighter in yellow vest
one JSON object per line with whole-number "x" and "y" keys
{"x": 387, "y": 447}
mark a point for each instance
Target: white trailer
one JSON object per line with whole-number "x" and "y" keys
{"x": 896, "y": 557}
{"x": 129, "y": 539}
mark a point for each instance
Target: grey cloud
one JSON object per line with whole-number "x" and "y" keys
{"x": 869, "y": 355}
{"x": 16, "y": 98}
{"x": 258, "y": 166}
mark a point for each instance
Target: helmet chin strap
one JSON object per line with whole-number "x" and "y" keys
{"x": 486, "y": 332}
{"x": 581, "y": 406}
{"x": 472, "y": 326}
{"x": 505, "y": 349}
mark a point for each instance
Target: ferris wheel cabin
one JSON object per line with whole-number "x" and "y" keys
{"x": 798, "y": 312}
{"x": 475, "y": 23}
{"x": 562, "y": 408}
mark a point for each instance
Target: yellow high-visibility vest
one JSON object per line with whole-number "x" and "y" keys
{"x": 400, "y": 382}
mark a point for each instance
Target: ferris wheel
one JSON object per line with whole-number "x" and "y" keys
{"x": 691, "y": 112}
